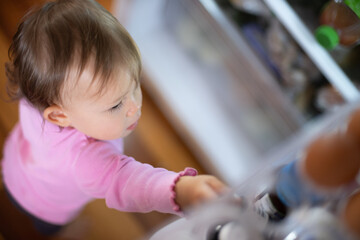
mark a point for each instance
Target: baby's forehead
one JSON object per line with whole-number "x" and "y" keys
{"x": 86, "y": 85}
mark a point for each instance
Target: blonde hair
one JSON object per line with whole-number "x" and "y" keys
{"x": 63, "y": 34}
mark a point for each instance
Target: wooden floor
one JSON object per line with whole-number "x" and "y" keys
{"x": 154, "y": 141}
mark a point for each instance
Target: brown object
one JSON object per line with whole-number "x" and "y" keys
{"x": 353, "y": 127}
{"x": 352, "y": 214}
{"x": 332, "y": 160}
{"x": 344, "y": 20}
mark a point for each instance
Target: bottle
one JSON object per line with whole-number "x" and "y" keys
{"x": 269, "y": 206}
{"x": 306, "y": 223}
{"x": 340, "y": 24}
{"x": 330, "y": 165}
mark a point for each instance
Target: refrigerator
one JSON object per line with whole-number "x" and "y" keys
{"x": 236, "y": 80}
{"x": 248, "y": 87}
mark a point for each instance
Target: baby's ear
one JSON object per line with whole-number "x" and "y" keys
{"x": 56, "y": 115}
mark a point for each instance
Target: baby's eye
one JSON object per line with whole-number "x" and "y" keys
{"x": 116, "y": 107}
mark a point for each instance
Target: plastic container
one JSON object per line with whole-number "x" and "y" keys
{"x": 325, "y": 174}
{"x": 340, "y": 24}
{"x": 236, "y": 215}
{"x": 309, "y": 223}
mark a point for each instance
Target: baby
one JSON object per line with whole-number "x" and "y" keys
{"x": 76, "y": 72}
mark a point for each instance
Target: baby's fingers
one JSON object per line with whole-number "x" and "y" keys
{"x": 211, "y": 188}
{"x": 218, "y": 186}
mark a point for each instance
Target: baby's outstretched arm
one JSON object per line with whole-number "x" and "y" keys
{"x": 192, "y": 190}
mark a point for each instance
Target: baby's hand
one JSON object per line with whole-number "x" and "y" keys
{"x": 192, "y": 190}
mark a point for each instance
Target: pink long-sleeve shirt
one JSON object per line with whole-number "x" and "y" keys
{"x": 52, "y": 173}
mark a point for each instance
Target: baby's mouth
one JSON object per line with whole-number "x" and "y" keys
{"x": 133, "y": 126}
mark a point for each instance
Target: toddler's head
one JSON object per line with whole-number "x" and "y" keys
{"x": 74, "y": 62}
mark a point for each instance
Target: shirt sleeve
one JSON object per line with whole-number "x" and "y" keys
{"x": 101, "y": 171}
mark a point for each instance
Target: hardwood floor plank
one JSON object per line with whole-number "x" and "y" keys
{"x": 8, "y": 111}
{"x": 107, "y": 4}
{"x": 99, "y": 222}
{"x": 10, "y": 14}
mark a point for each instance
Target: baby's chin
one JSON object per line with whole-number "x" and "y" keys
{"x": 126, "y": 133}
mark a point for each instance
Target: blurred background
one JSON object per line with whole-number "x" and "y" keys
{"x": 226, "y": 82}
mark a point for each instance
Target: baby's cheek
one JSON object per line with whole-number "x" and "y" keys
{"x": 116, "y": 128}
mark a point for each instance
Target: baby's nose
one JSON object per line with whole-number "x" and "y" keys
{"x": 134, "y": 108}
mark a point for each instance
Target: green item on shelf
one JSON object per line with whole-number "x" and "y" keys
{"x": 327, "y": 37}
{"x": 354, "y": 5}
